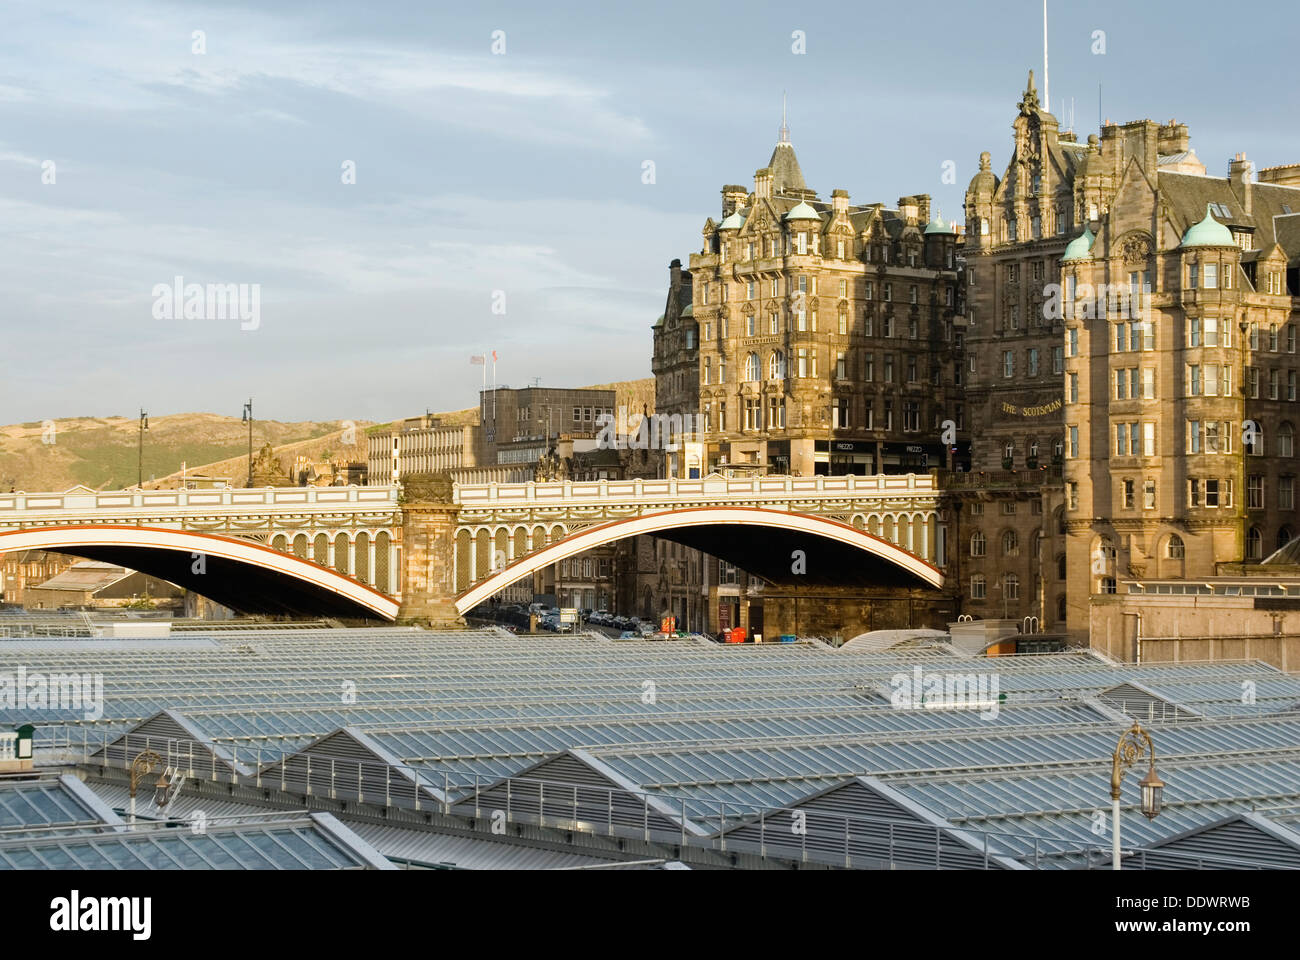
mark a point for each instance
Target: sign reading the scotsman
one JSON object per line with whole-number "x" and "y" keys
{"x": 1038, "y": 411}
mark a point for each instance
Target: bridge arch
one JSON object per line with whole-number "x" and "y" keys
{"x": 244, "y": 575}
{"x": 841, "y": 543}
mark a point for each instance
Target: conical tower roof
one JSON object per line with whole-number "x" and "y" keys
{"x": 784, "y": 165}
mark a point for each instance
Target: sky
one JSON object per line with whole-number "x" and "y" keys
{"x": 501, "y": 197}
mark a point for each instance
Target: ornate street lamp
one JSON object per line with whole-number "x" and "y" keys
{"x": 1133, "y": 743}
{"x": 144, "y": 763}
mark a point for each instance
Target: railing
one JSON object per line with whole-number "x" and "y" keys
{"x": 702, "y": 823}
{"x": 996, "y": 479}
{"x": 706, "y": 490}
{"x": 24, "y": 505}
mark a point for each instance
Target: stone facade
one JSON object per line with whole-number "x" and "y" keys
{"x": 830, "y": 334}
{"x": 1143, "y": 354}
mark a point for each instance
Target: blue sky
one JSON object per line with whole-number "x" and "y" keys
{"x": 478, "y": 172}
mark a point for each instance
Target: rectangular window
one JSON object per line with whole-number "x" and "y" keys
{"x": 1058, "y": 360}
{"x": 1072, "y": 341}
{"x": 911, "y": 416}
{"x": 1290, "y": 384}
{"x": 1072, "y": 495}
{"x": 1255, "y": 492}
{"x": 866, "y": 325}
{"x": 1121, "y": 439}
{"x": 1073, "y": 381}
{"x": 889, "y": 293}
{"x": 841, "y": 366}
{"x": 1033, "y": 362}
{"x": 1148, "y": 334}
{"x": 1211, "y": 435}
{"x": 1211, "y": 276}
{"x": 1133, "y": 439}
{"x": 1120, "y": 339}
{"x": 839, "y": 251}
{"x": 1121, "y": 384}
{"x": 1193, "y": 493}
{"x": 977, "y": 587}
{"x": 803, "y": 362}
{"x": 749, "y": 287}
{"x": 911, "y": 369}
{"x": 869, "y": 367}
{"x": 801, "y": 243}
{"x": 1193, "y": 436}
{"x": 1191, "y": 276}
{"x": 1149, "y": 495}
{"x": 1148, "y": 439}
{"x": 1148, "y": 383}
{"x": 1212, "y": 493}
{"x": 1273, "y": 384}
{"x": 1290, "y": 338}
{"x": 1211, "y": 332}
{"x": 867, "y": 290}
{"x": 889, "y": 368}
{"x": 1193, "y": 332}
{"x": 749, "y": 325}
{"x": 911, "y": 294}
{"x": 1286, "y": 493}
{"x": 1211, "y": 380}
{"x": 1008, "y": 364}
{"x": 844, "y": 323}
{"x": 1074, "y": 442}
{"x": 1128, "y": 494}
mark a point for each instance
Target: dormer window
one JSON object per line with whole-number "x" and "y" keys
{"x": 1242, "y": 238}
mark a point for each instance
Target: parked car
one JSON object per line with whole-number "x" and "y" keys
{"x": 629, "y": 635}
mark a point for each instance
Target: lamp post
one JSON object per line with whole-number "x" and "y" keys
{"x": 1132, "y": 744}
{"x": 248, "y": 419}
{"x": 144, "y": 425}
{"x": 144, "y": 763}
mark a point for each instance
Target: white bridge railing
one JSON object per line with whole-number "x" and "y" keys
{"x": 31, "y": 509}
{"x": 706, "y": 490}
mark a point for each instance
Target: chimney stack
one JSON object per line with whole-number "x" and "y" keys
{"x": 1239, "y": 177}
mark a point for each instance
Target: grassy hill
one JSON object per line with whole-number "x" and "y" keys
{"x": 101, "y": 452}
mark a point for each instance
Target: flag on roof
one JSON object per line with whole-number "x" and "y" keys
{"x": 478, "y": 360}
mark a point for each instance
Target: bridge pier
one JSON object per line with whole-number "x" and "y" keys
{"x": 848, "y": 611}
{"x": 428, "y": 552}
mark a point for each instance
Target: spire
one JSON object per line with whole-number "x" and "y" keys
{"x": 786, "y": 174}
{"x": 1030, "y": 101}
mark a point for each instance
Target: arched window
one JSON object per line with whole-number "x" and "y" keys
{"x": 1060, "y": 609}
{"x": 776, "y": 366}
{"x": 1252, "y": 437}
{"x": 1011, "y": 584}
{"x": 1036, "y": 545}
{"x": 752, "y": 367}
{"x": 1060, "y": 566}
{"x": 1285, "y": 440}
{"x": 978, "y": 587}
{"x": 1060, "y": 521}
{"x": 978, "y": 545}
{"x": 1254, "y": 544}
{"x": 1283, "y": 537}
{"x": 1010, "y": 544}
{"x": 1009, "y": 449}
{"x": 1175, "y": 549}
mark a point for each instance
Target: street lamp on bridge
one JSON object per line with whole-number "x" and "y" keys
{"x": 248, "y": 419}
